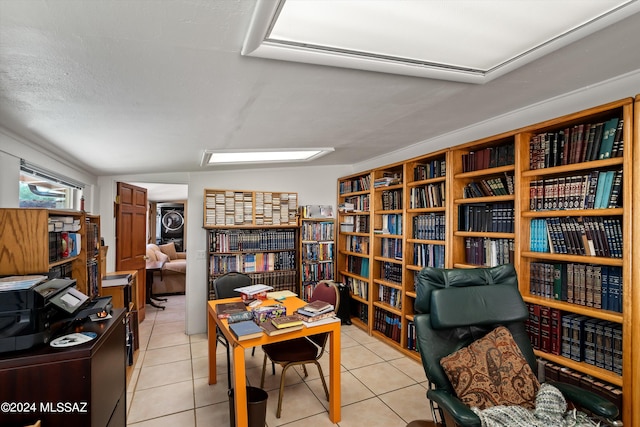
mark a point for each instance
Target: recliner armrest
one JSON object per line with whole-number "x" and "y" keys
{"x": 587, "y": 400}
{"x": 460, "y": 412}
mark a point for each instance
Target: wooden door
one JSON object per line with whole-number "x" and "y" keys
{"x": 131, "y": 236}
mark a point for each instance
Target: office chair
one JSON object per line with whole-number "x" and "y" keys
{"x": 300, "y": 351}
{"x": 223, "y": 287}
{"x": 457, "y": 307}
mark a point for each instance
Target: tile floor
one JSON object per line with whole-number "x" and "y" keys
{"x": 168, "y": 387}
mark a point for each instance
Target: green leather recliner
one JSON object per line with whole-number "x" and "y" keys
{"x": 455, "y": 307}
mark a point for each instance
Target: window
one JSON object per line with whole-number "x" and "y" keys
{"x": 44, "y": 189}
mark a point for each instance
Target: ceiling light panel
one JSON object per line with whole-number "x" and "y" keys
{"x": 474, "y": 39}
{"x": 213, "y": 157}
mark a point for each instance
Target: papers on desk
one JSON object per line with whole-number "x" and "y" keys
{"x": 253, "y": 289}
{"x": 281, "y": 294}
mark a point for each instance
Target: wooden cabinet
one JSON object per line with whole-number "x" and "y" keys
{"x": 74, "y": 386}
{"x": 31, "y": 244}
{"x": 519, "y": 197}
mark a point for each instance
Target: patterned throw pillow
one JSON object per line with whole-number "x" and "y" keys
{"x": 492, "y": 371}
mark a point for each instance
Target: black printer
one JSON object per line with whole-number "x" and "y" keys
{"x": 32, "y": 309}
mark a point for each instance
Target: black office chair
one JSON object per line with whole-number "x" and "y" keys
{"x": 455, "y": 308}
{"x": 223, "y": 287}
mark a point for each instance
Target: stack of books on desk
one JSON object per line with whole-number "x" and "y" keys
{"x": 315, "y": 311}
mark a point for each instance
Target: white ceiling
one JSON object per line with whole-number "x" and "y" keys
{"x": 141, "y": 86}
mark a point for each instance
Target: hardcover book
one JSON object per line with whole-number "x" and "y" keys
{"x": 286, "y": 321}
{"x": 271, "y": 330}
{"x": 224, "y": 310}
{"x": 245, "y": 330}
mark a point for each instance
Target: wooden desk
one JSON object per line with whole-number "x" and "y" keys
{"x": 239, "y": 375}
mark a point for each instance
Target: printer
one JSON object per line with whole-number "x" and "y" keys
{"x": 33, "y": 309}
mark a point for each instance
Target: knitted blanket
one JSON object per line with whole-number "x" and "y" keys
{"x": 550, "y": 411}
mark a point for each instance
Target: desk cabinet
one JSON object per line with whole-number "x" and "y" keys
{"x": 73, "y": 386}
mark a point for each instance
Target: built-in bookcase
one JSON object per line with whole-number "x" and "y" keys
{"x": 317, "y": 246}
{"x": 354, "y": 243}
{"x": 426, "y": 196}
{"x": 388, "y": 251}
{"x": 253, "y": 232}
{"x": 483, "y": 202}
{"x": 575, "y": 241}
{"x": 554, "y": 198}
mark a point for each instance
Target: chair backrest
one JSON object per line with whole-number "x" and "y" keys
{"x": 455, "y": 307}
{"x": 224, "y": 285}
{"x": 327, "y": 291}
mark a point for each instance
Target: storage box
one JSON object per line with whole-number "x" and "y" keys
{"x": 267, "y": 312}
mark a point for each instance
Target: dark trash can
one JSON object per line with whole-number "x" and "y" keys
{"x": 256, "y": 407}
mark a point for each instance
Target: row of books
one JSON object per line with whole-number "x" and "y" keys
{"x": 357, "y": 287}
{"x": 360, "y": 203}
{"x": 576, "y": 337}
{"x": 358, "y": 265}
{"x": 428, "y": 255}
{"x": 92, "y": 236}
{"x": 317, "y": 251}
{"x": 314, "y": 272}
{"x": 388, "y": 324}
{"x": 391, "y": 296}
{"x": 554, "y": 372}
{"x": 355, "y": 223}
{"x": 596, "y": 286}
{"x": 428, "y": 196}
{"x": 276, "y": 208}
{"x": 391, "y": 199}
{"x": 433, "y": 169}
{"x": 251, "y": 240}
{"x": 589, "y": 236}
{"x": 63, "y": 223}
{"x": 429, "y": 226}
{"x": 320, "y": 231}
{"x": 358, "y": 244}
{"x": 228, "y": 208}
{"x": 388, "y": 178}
{"x": 391, "y": 248}
{"x": 577, "y": 144}
{"x": 362, "y": 183}
{"x": 595, "y": 190}
{"x": 391, "y": 272}
{"x": 488, "y": 252}
{"x": 486, "y": 217}
{"x": 360, "y": 311}
{"x": 64, "y": 244}
{"x": 391, "y": 224}
{"x": 249, "y": 263}
{"x": 491, "y": 157}
{"x": 498, "y": 186}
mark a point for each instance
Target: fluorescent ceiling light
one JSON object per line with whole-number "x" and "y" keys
{"x": 213, "y": 157}
{"x": 471, "y": 41}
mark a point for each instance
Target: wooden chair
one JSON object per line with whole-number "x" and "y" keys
{"x": 301, "y": 351}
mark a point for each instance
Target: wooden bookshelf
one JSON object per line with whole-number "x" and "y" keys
{"x": 554, "y": 201}
{"x": 25, "y": 246}
{"x": 317, "y": 247}
{"x": 460, "y": 185}
{"x": 241, "y": 208}
{"x": 354, "y": 244}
